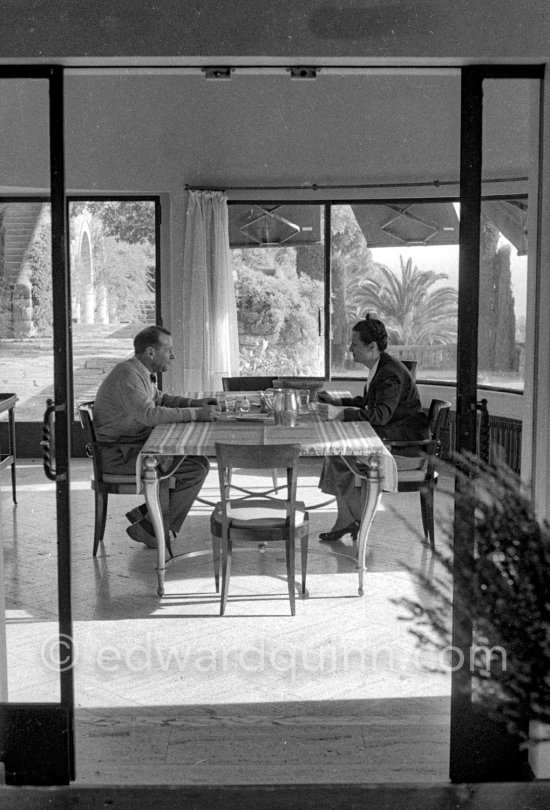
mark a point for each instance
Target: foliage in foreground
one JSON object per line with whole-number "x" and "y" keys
{"x": 502, "y": 586}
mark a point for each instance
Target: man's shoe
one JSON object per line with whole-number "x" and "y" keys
{"x": 137, "y": 514}
{"x": 141, "y": 535}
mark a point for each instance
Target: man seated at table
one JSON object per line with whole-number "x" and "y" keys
{"x": 390, "y": 402}
{"x": 128, "y": 405}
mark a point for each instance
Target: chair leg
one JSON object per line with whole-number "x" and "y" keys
{"x": 304, "y": 544}
{"x": 101, "y": 499}
{"x": 275, "y": 479}
{"x": 164, "y": 499}
{"x": 290, "y": 566}
{"x": 226, "y": 572}
{"x": 13, "y": 483}
{"x": 427, "y": 508}
{"x": 216, "y": 560}
{"x": 424, "y": 515}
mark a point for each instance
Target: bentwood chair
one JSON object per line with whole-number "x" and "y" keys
{"x": 411, "y": 366}
{"x": 251, "y": 384}
{"x": 105, "y": 484}
{"x": 260, "y": 518}
{"x": 424, "y": 480}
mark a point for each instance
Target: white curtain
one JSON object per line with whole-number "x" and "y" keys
{"x": 211, "y": 349}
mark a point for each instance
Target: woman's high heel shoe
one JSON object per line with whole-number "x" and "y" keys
{"x": 352, "y": 529}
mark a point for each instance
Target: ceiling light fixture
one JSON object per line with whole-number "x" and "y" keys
{"x": 303, "y": 72}
{"x": 217, "y": 72}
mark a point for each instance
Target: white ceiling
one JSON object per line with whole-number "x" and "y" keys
{"x": 155, "y": 132}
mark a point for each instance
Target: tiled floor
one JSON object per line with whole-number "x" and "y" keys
{"x": 167, "y": 691}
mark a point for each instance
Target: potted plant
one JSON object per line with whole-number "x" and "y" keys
{"x": 504, "y": 593}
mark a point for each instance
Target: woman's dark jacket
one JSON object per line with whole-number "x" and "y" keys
{"x": 392, "y": 403}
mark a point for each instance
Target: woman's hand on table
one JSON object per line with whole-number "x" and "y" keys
{"x": 328, "y": 412}
{"x": 206, "y": 401}
{"x": 324, "y": 396}
{"x": 208, "y": 413}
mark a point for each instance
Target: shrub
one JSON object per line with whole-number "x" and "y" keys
{"x": 502, "y": 587}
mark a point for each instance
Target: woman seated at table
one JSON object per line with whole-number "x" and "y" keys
{"x": 390, "y": 403}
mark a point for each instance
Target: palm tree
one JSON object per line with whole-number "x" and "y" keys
{"x": 412, "y": 312}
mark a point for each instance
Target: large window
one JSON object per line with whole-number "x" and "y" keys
{"x": 113, "y": 248}
{"x": 279, "y": 274}
{"x": 114, "y": 284}
{"x": 397, "y": 260}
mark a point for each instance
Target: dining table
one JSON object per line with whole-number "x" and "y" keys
{"x": 316, "y": 437}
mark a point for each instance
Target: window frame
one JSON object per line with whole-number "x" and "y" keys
{"x": 327, "y": 205}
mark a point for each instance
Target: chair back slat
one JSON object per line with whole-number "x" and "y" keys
{"x": 312, "y": 384}
{"x": 253, "y": 457}
{"x": 437, "y": 417}
{"x": 86, "y": 416}
{"x": 410, "y": 365}
{"x": 247, "y": 383}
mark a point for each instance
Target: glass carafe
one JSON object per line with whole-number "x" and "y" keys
{"x": 285, "y": 407}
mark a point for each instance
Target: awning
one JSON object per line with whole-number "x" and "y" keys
{"x": 406, "y": 225}
{"x": 270, "y": 225}
{"x": 383, "y": 225}
{"x": 437, "y": 223}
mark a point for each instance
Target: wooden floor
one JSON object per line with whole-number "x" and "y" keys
{"x": 170, "y": 693}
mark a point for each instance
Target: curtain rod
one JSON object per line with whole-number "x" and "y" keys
{"x": 321, "y": 187}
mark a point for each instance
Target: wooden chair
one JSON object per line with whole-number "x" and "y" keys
{"x": 411, "y": 366}
{"x": 247, "y": 383}
{"x": 424, "y": 480}
{"x": 105, "y": 484}
{"x": 261, "y": 518}
{"x": 251, "y": 384}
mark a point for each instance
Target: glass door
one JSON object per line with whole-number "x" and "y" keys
{"x": 36, "y": 652}
{"x": 497, "y": 267}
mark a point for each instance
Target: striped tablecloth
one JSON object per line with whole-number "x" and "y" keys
{"x": 315, "y": 437}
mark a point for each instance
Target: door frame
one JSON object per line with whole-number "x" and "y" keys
{"x": 37, "y": 739}
{"x": 27, "y": 728}
{"x": 481, "y": 749}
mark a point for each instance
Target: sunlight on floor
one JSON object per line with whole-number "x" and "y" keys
{"x": 165, "y": 672}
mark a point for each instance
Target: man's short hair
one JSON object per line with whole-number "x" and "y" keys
{"x": 371, "y": 329}
{"x": 150, "y": 336}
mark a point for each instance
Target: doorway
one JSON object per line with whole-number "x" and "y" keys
{"x": 407, "y": 143}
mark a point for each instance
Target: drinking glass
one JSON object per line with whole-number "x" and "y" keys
{"x": 303, "y": 400}
{"x": 243, "y": 405}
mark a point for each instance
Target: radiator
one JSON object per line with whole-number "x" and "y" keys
{"x": 504, "y": 439}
